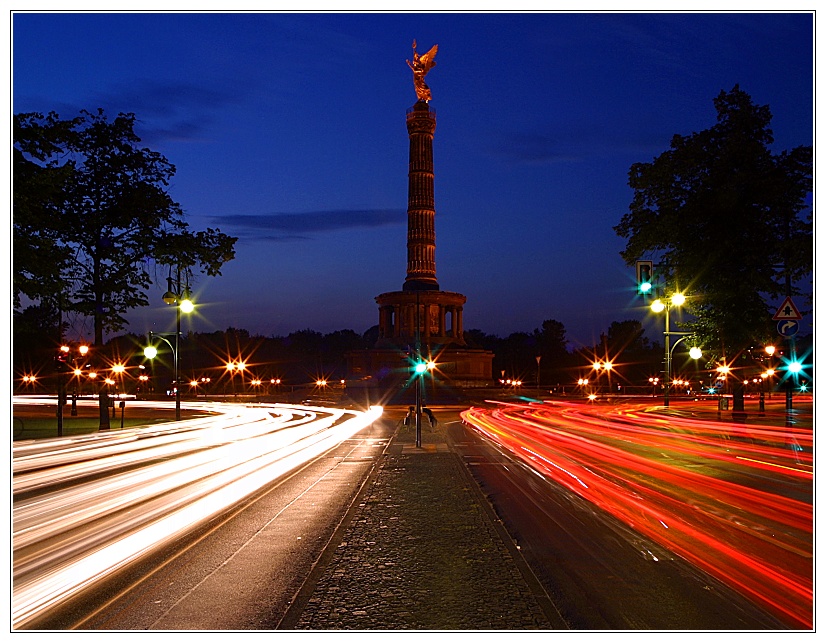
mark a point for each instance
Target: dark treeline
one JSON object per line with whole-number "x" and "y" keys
{"x": 305, "y": 356}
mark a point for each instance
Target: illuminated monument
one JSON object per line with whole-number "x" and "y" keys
{"x": 421, "y": 320}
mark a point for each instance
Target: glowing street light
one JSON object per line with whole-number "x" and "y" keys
{"x": 658, "y": 306}
{"x": 183, "y": 303}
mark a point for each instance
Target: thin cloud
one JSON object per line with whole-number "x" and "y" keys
{"x": 283, "y": 226}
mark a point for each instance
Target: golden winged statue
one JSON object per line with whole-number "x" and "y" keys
{"x": 420, "y": 66}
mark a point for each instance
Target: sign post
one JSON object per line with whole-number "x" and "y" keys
{"x": 787, "y": 316}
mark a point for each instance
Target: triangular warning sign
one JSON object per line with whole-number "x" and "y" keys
{"x": 787, "y": 310}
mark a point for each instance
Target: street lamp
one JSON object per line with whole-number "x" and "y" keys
{"x": 605, "y": 366}
{"x": 67, "y": 353}
{"x": 658, "y": 306}
{"x": 182, "y": 302}
{"x": 151, "y": 352}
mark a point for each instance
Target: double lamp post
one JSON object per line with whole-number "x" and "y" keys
{"x": 183, "y": 304}
{"x": 658, "y": 306}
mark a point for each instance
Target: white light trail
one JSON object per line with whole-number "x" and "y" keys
{"x": 90, "y": 505}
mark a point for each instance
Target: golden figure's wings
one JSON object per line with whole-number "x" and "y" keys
{"x": 428, "y": 59}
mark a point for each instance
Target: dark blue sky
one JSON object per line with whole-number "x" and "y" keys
{"x": 288, "y": 131}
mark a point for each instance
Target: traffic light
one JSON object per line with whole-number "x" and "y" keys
{"x": 645, "y": 277}
{"x": 420, "y": 367}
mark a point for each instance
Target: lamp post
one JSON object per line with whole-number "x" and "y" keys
{"x": 658, "y": 306}
{"x": 82, "y": 350}
{"x": 152, "y": 352}
{"x": 694, "y": 353}
{"x": 182, "y": 303}
{"x": 605, "y": 366}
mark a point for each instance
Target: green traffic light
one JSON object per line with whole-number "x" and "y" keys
{"x": 420, "y": 368}
{"x": 645, "y": 287}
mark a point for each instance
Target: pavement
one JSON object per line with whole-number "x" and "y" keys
{"x": 421, "y": 549}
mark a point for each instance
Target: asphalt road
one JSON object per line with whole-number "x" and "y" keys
{"x": 240, "y": 571}
{"x": 599, "y": 573}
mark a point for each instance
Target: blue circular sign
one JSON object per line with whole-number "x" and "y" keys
{"x": 788, "y": 327}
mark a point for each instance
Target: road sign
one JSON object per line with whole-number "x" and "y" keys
{"x": 788, "y": 328}
{"x": 787, "y": 311}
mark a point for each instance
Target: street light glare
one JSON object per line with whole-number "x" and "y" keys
{"x": 187, "y": 306}
{"x": 678, "y": 299}
{"x": 657, "y": 306}
{"x": 695, "y": 353}
{"x": 151, "y": 352}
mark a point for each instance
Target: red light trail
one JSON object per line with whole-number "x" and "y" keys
{"x": 733, "y": 499}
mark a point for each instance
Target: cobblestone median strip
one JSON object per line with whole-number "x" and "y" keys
{"x": 421, "y": 553}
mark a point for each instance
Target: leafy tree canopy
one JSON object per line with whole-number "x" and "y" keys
{"x": 93, "y": 218}
{"x": 726, "y": 221}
